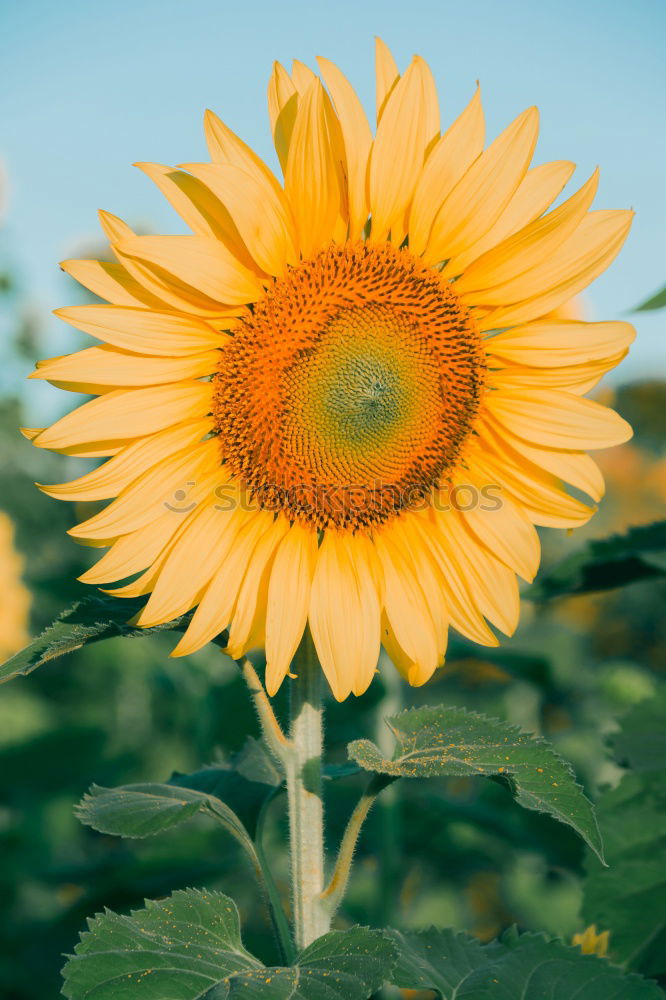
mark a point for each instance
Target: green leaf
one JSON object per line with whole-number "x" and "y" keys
{"x": 657, "y": 301}
{"x": 606, "y": 563}
{"x": 189, "y": 946}
{"x": 437, "y": 960}
{"x": 628, "y": 897}
{"x": 532, "y": 967}
{"x": 256, "y": 764}
{"x": 640, "y": 743}
{"x": 452, "y": 742}
{"x": 529, "y": 967}
{"x": 146, "y": 809}
{"x": 179, "y": 948}
{"x": 341, "y": 965}
{"x": 90, "y": 620}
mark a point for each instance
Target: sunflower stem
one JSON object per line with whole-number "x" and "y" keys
{"x": 305, "y": 799}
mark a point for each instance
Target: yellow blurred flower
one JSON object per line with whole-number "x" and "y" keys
{"x": 15, "y": 598}
{"x": 591, "y": 943}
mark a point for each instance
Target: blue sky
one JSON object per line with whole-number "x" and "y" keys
{"x": 90, "y": 88}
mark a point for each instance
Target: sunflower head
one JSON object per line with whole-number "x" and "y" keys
{"x": 345, "y": 400}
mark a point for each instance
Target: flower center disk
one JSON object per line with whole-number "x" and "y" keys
{"x": 349, "y": 390}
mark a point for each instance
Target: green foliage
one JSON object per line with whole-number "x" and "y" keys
{"x": 628, "y": 897}
{"x": 529, "y": 966}
{"x": 147, "y": 809}
{"x": 341, "y": 965}
{"x": 452, "y": 742}
{"x": 90, "y": 620}
{"x": 189, "y": 945}
{"x": 181, "y": 946}
{"x": 657, "y": 301}
{"x": 639, "y": 554}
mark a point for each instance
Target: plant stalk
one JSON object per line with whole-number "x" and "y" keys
{"x": 305, "y": 799}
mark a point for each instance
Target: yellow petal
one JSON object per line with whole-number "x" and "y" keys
{"x": 225, "y": 147}
{"x": 259, "y": 213}
{"x": 566, "y": 342}
{"x": 197, "y": 552}
{"x": 170, "y": 291}
{"x": 386, "y": 73}
{"x": 302, "y": 76}
{"x": 198, "y": 206}
{"x": 499, "y": 525}
{"x": 464, "y": 615}
{"x": 128, "y": 413}
{"x": 216, "y": 608}
{"x": 405, "y": 603}
{"x": 357, "y": 139}
{"x": 587, "y": 253}
{"x": 366, "y": 573}
{"x": 557, "y": 419}
{"x": 312, "y": 178}
{"x": 131, "y": 461}
{"x": 254, "y": 585}
{"x": 411, "y": 671}
{"x": 538, "y": 189}
{"x": 144, "y": 331}
{"x": 135, "y": 551}
{"x": 397, "y": 155}
{"x": 483, "y": 193}
{"x": 111, "y": 281}
{"x": 201, "y": 263}
{"x": 431, "y": 104}
{"x": 573, "y": 467}
{"x": 536, "y": 491}
{"x": 407, "y": 538}
{"x": 100, "y": 367}
{"x": 176, "y": 483}
{"x": 504, "y": 273}
{"x": 288, "y": 601}
{"x": 344, "y": 614}
{"x": 493, "y": 587}
{"x": 452, "y": 155}
{"x": 282, "y": 109}
{"x": 578, "y": 379}
{"x": 519, "y": 255}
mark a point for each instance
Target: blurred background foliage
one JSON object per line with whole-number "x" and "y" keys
{"x": 456, "y": 853}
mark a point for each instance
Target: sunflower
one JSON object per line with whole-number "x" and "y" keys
{"x": 345, "y": 400}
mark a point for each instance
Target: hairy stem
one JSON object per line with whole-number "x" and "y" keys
{"x": 334, "y": 892}
{"x": 271, "y": 730}
{"x": 304, "y": 792}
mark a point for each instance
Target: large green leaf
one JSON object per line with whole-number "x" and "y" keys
{"x": 94, "y": 618}
{"x": 452, "y": 742}
{"x": 178, "y": 948}
{"x": 189, "y": 946}
{"x": 525, "y": 967}
{"x": 602, "y": 564}
{"x": 628, "y": 898}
